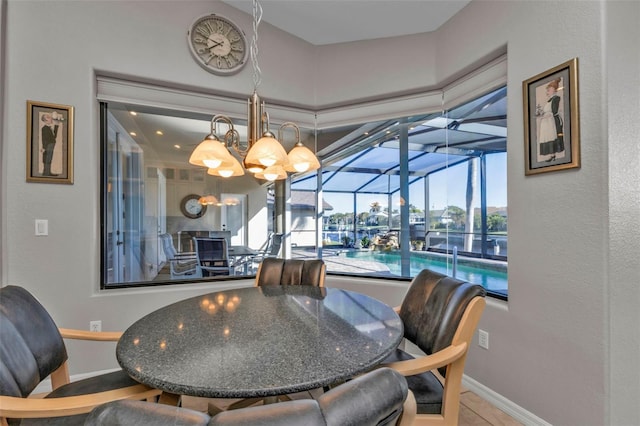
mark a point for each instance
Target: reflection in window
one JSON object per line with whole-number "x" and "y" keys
{"x": 150, "y": 208}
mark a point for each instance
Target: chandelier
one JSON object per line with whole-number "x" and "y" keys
{"x": 263, "y": 154}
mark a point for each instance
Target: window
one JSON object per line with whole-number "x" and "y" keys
{"x": 150, "y": 209}
{"x": 417, "y": 192}
{"x": 396, "y": 194}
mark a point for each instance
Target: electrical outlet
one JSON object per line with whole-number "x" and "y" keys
{"x": 483, "y": 339}
{"x": 95, "y": 325}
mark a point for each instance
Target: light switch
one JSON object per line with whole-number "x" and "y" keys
{"x": 42, "y": 227}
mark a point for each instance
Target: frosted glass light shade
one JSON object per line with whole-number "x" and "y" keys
{"x": 267, "y": 151}
{"x": 302, "y": 159}
{"x": 209, "y": 153}
{"x": 231, "y": 201}
{"x": 208, "y": 200}
{"x": 227, "y": 168}
{"x": 253, "y": 167}
{"x": 272, "y": 173}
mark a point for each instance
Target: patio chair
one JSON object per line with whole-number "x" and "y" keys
{"x": 181, "y": 265}
{"x": 221, "y": 234}
{"x": 32, "y": 349}
{"x": 272, "y": 250}
{"x": 440, "y": 315}
{"x": 212, "y": 256}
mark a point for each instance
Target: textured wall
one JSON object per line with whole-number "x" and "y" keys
{"x": 563, "y": 339}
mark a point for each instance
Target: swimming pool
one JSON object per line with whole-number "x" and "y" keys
{"x": 492, "y": 276}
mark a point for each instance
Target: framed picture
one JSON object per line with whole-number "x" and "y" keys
{"x": 551, "y": 126}
{"x": 49, "y": 143}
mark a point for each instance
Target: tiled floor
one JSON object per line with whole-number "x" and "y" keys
{"x": 474, "y": 411}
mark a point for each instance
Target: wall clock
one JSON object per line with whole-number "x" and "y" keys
{"x": 191, "y": 208}
{"x": 217, "y": 44}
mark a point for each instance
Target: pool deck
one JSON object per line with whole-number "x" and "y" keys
{"x": 337, "y": 263}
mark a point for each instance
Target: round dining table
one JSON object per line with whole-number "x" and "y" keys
{"x": 259, "y": 341}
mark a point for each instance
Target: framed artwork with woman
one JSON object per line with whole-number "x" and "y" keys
{"x": 551, "y": 127}
{"x": 49, "y": 143}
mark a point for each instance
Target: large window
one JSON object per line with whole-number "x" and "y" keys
{"x": 419, "y": 192}
{"x": 393, "y": 196}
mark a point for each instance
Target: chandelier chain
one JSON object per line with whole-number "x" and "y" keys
{"x": 257, "y": 17}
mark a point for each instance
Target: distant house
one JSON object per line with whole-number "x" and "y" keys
{"x": 303, "y": 217}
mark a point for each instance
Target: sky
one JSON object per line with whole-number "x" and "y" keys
{"x": 446, "y": 188}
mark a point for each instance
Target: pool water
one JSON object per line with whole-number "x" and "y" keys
{"x": 489, "y": 278}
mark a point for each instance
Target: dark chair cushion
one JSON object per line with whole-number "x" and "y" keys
{"x": 369, "y": 400}
{"x": 426, "y": 387}
{"x": 141, "y": 413}
{"x": 375, "y": 398}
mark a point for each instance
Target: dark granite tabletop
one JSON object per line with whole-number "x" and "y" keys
{"x": 259, "y": 341}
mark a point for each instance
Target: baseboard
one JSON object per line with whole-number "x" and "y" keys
{"x": 520, "y": 414}
{"x": 45, "y": 385}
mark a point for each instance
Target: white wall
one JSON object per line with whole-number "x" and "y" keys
{"x": 547, "y": 349}
{"x": 561, "y": 348}
{"x": 621, "y": 84}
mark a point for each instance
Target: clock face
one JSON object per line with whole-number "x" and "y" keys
{"x": 191, "y": 208}
{"x": 218, "y": 45}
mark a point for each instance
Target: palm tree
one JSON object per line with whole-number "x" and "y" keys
{"x": 472, "y": 172}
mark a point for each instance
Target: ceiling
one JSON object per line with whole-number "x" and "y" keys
{"x": 321, "y": 22}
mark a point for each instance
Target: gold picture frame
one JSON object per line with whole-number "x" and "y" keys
{"x": 49, "y": 143}
{"x": 551, "y": 119}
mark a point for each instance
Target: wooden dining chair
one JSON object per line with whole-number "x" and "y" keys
{"x": 440, "y": 315}
{"x": 274, "y": 271}
{"x": 32, "y": 349}
{"x": 378, "y": 398}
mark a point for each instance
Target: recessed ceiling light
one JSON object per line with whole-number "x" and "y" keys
{"x": 133, "y": 113}
{"x": 133, "y": 133}
{"x": 159, "y": 132}
{"x": 176, "y": 146}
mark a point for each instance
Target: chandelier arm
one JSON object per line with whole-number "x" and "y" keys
{"x": 264, "y": 122}
{"x": 238, "y": 148}
{"x": 285, "y": 125}
{"x": 224, "y": 119}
